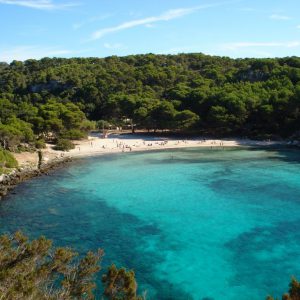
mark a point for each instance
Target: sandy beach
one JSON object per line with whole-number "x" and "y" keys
{"x": 95, "y": 145}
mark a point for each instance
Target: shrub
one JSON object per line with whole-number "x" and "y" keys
{"x": 40, "y": 144}
{"x": 25, "y": 148}
{"x": 64, "y": 145}
{"x": 7, "y": 160}
{"x": 102, "y": 124}
{"x": 120, "y": 284}
{"x": 87, "y": 125}
{"x": 293, "y": 293}
{"x": 10, "y": 137}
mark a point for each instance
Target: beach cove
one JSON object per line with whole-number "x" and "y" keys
{"x": 119, "y": 143}
{"x": 183, "y": 219}
{"x": 30, "y": 165}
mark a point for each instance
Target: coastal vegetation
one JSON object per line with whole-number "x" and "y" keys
{"x": 293, "y": 293}
{"x": 64, "y": 145}
{"x": 59, "y": 98}
{"x": 37, "y": 270}
{"x": 7, "y": 161}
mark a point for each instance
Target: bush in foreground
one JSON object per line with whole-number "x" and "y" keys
{"x": 293, "y": 293}
{"x": 120, "y": 284}
{"x": 37, "y": 270}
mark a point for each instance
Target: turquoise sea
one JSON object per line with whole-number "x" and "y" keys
{"x": 192, "y": 223}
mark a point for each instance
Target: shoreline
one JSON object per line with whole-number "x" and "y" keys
{"x": 9, "y": 181}
{"x": 135, "y": 143}
{"x": 96, "y": 146}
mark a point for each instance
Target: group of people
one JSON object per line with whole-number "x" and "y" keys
{"x": 129, "y": 145}
{"x": 123, "y": 146}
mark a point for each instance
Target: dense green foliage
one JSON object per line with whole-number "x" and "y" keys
{"x": 216, "y": 95}
{"x": 64, "y": 145}
{"x": 37, "y": 270}
{"x": 23, "y": 121}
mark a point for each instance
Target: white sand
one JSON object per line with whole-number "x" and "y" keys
{"x": 95, "y": 145}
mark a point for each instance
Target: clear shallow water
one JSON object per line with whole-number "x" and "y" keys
{"x": 193, "y": 223}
